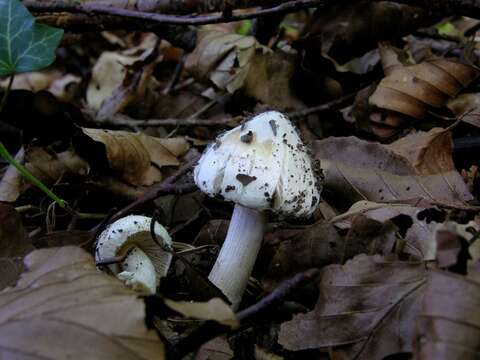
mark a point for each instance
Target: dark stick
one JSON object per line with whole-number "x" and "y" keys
{"x": 254, "y": 313}
{"x": 165, "y": 187}
{"x": 289, "y": 6}
{"x": 323, "y": 107}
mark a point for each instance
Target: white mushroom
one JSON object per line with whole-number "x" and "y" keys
{"x": 146, "y": 262}
{"x": 260, "y": 165}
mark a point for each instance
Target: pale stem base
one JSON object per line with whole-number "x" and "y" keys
{"x": 239, "y": 252}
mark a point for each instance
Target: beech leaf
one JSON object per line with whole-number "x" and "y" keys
{"x": 448, "y": 326}
{"x": 63, "y": 308}
{"x": 366, "y": 302}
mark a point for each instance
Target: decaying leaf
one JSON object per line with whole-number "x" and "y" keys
{"x": 233, "y": 62}
{"x": 297, "y": 250}
{"x": 448, "y": 325}
{"x": 10, "y": 268}
{"x": 216, "y": 349}
{"x": 111, "y": 70}
{"x": 359, "y": 170}
{"x": 224, "y": 58}
{"x": 366, "y": 302}
{"x": 215, "y": 309}
{"x": 33, "y": 81}
{"x": 138, "y": 158}
{"x": 62, "y": 307}
{"x": 11, "y": 182}
{"x": 50, "y": 167}
{"x": 14, "y": 239}
{"x": 429, "y": 152}
{"x": 46, "y": 166}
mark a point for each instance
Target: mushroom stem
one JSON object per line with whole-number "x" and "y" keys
{"x": 239, "y": 252}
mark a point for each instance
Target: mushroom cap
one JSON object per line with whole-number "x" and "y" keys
{"x": 264, "y": 165}
{"x": 146, "y": 262}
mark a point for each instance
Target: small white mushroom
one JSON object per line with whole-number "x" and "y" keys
{"x": 260, "y": 165}
{"x": 146, "y": 262}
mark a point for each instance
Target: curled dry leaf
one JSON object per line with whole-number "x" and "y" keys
{"x": 466, "y": 107}
{"x": 50, "y": 167}
{"x": 429, "y": 152}
{"x": 223, "y": 58}
{"x": 233, "y": 62}
{"x": 411, "y": 91}
{"x": 62, "y": 307}
{"x": 368, "y": 301}
{"x": 359, "y": 170}
{"x": 447, "y": 326}
{"x": 110, "y": 72}
{"x": 138, "y": 157}
{"x": 214, "y": 309}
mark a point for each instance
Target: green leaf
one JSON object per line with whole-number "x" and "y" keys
{"x": 24, "y": 45}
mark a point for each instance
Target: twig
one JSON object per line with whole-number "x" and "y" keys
{"x": 254, "y": 313}
{"x": 122, "y": 120}
{"x": 165, "y": 187}
{"x": 289, "y": 6}
{"x": 323, "y": 107}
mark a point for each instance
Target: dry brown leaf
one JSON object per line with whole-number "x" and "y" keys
{"x": 138, "y": 78}
{"x": 429, "y": 152}
{"x": 233, "y": 62}
{"x": 366, "y": 302}
{"x": 14, "y": 239}
{"x": 466, "y": 107}
{"x": 297, "y": 250}
{"x": 424, "y": 237}
{"x": 413, "y": 90}
{"x": 448, "y": 326}
{"x": 223, "y": 58}
{"x": 46, "y": 166}
{"x": 214, "y": 309}
{"x": 110, "y": 72}
{"x": 10, "y": 268}
{"x": 66, "y": 88}
{"x": 419, "y": 237}
{"x": 216, "y": 349}
{"x": 134, "y": 155}
{"x": 359, "y": 170}
{"x": 33, "y": 81}
{"x": 62, "y": 307}
{"x": 49, "y": 167}
{"x": 11, "y": 183}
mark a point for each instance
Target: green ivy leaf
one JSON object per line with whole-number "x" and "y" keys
{"x": 24, "y": 45}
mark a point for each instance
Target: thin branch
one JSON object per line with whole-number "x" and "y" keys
{"x": 167, "y": 186}
{"x": 252, "y": 314}
{"x": 289, "y": 6}
{"x": 121, "y": 120}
